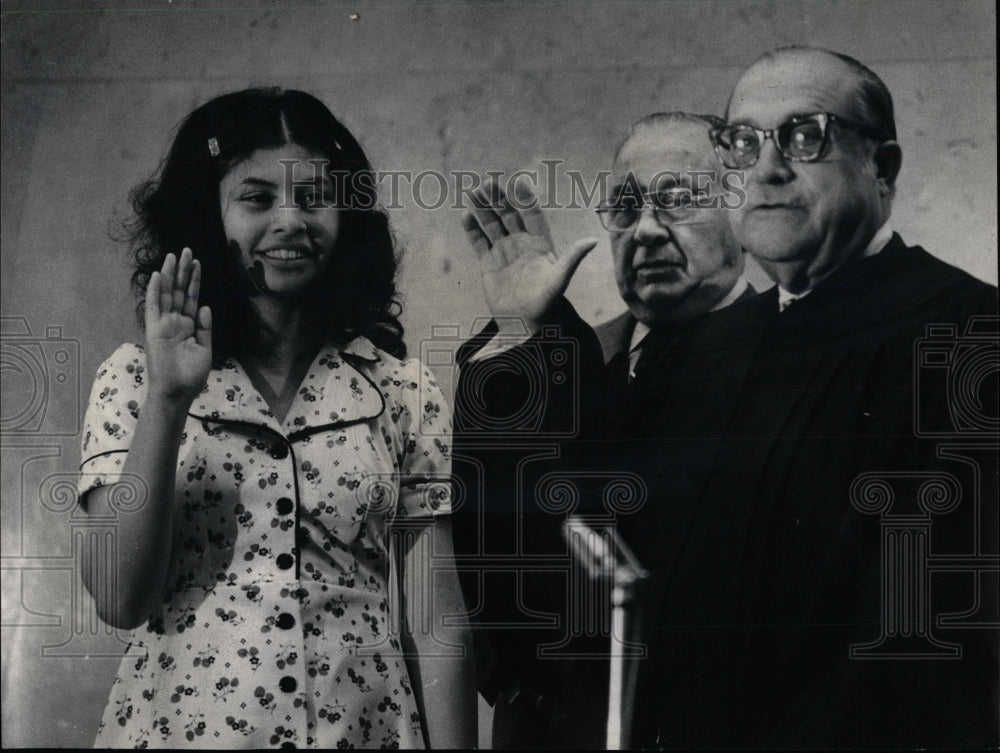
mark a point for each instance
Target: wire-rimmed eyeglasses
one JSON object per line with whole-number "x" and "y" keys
{"x": 675, "y": 206}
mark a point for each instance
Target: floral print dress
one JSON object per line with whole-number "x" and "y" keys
{"x": 276, "y": 624}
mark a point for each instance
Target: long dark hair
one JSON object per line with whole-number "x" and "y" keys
{"x": 179, "y": 207}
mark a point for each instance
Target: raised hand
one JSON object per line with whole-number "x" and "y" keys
{"x": 178, "y": 333}
{"x": 522, "y": 275}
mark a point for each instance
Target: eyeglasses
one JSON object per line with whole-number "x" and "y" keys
{"x": 802, "y": 138}
{"x": 676, "y": 206}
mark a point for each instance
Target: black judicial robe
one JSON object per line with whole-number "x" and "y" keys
{"x": 748, "y": 433}
{"x": 527, "y": 420}
{"x": 520, "y": 420}
{"x": 844, "y": 494}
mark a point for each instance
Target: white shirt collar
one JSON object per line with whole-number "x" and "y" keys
{"x": 737, "y": 290}
{"x": 878, "y": 242}
{"x": 639, "y": 331}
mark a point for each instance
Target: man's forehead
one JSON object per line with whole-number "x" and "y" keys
{"x": 675, "y": 148}
{"x": 795, "y": 82}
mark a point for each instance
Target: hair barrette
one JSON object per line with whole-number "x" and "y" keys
{"x": 213, "y": 146}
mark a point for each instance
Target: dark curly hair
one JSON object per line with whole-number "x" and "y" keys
{"x": 179, "y": 207}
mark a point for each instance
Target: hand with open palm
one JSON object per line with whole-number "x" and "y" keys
{"x": 522, "y": 275}
{"x": 178, "y": 332}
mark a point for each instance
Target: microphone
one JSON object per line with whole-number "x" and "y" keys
{"x": 604, "y": 555}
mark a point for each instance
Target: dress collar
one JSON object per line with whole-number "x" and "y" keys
{"x": 335, "y": 391}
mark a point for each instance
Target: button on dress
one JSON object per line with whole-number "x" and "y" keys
{"x": 276, "y": 623}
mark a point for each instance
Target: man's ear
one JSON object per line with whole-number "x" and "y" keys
{"x": 888, "y": 159}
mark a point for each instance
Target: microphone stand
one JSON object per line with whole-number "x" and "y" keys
{"x": 605, "y": 556}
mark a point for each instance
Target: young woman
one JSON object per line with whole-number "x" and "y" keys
{"x": 281, "y": 456}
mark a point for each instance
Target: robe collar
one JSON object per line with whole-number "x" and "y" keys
{"x": 335, "y": 392}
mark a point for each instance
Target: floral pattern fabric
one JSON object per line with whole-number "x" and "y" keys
{"x": 275, "y": 627}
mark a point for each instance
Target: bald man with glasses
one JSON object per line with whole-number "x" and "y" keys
{"x": 837, "y": 586}
{"x": 821, "y": 459}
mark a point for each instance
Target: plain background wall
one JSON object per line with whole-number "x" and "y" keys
{"x": 91, "y": 92}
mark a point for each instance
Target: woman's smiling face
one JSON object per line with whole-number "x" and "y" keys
{"x": 277, "y": 210}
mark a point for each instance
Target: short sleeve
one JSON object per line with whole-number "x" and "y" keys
{"x": 425, "y": 463}
{"x": 112, "y": 412}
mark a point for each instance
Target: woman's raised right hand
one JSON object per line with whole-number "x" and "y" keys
{"x": 178, "y": 332}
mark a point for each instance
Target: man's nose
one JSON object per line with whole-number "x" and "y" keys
{"x": 771, "y": 166}
{"x": 648, "y": 230}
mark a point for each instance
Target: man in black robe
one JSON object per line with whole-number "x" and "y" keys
{"x": 820, "y": 460}
{"x": 674, "y": 261}
{"x": 831, "y": 581}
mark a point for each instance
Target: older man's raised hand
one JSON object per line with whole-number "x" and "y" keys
{"x": 522, "y": 274}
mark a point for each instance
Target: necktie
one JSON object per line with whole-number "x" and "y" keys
{"x": 619, "y": 370}
{"x": 633, "y": 361}
{"x": 650, "y": 350}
